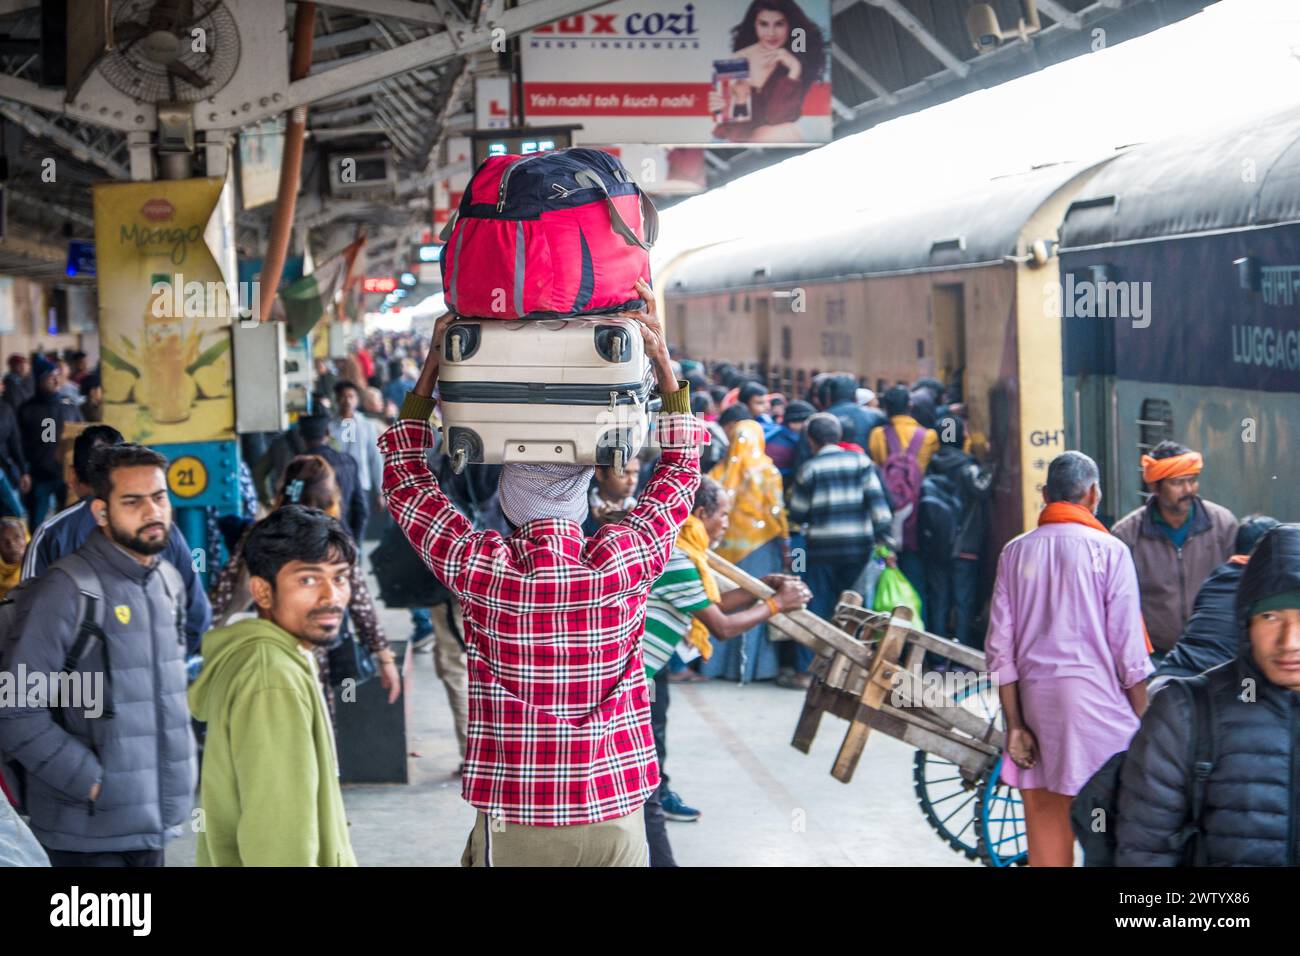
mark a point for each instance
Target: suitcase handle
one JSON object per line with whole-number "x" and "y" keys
{"x": 649, "y": 215}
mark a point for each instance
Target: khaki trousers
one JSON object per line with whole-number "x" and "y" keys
{"x": 619, "y": 842}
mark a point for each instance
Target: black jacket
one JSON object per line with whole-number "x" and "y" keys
{"x": 973, "y": 486}
{"x": 12, "y": 460}
{"x": 1252, "y": 796}
{"x": 42, "y": 455}
{"x": 1210, "y": 637}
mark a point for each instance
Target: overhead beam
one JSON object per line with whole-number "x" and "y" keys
{"x": 422, "y": 13}
{"x": 1061, "y": 14}
{"x": 866, "y": 79}
{"x": 841, "y": 110}
{"x": 436, "y": 48}
{"x": 330, "y": 41}
{"x": 29, "y": 94}
{"x": 42, "y": 128}
{"x": 923, "y": 36}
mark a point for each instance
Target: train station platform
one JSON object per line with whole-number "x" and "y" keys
{"x": 763, "y": 803}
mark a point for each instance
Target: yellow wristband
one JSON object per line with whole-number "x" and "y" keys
{"x": 772, "y": 606}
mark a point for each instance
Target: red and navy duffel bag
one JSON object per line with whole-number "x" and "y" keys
{"x": 549, "y": 234}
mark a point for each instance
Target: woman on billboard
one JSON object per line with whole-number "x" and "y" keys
{"x": 758, "y": 94}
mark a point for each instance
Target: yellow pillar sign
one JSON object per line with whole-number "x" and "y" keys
{"x": 187, "y": 477}
{"x": 164, "y": 313}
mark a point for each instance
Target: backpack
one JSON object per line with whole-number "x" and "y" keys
{"x": 939, "y": 520}
{"x": 404, "y": 580}
{"x": 903, "y": 478}
{"x": 15, "y": 607}
{"x": 18, "y": 604}
{"x": 1101, "y": 792}
{"x": 548, "y": 235}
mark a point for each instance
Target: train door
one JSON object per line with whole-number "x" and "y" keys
{"x": 1091, "y": 401}
{"x": 763, "y": 336}
{"x": 948, "y": 310}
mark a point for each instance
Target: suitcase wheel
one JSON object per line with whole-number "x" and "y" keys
{"x": 464, "y": 446}
{"x": 461, "y": 343}
{"x": 612, "y": 344}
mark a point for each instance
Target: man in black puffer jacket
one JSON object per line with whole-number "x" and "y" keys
{"x": 1210, "y": 637}
{"x": 1251, "y": 815}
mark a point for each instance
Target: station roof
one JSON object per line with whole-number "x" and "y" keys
{"x": 889, "y": 57}
{"x": 1228, "y": 178}
{"x": 979, "y": 228}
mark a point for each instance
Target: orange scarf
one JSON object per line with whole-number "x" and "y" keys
{"x": 1067, "y": 512}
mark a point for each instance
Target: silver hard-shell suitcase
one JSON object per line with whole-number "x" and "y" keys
{"x": 561, "y": 391}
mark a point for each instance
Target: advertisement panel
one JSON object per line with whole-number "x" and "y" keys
{"x": 164, "y": 313}
{"x": 492, "y": 102}
{"x": 260, "y": 148}
{"x": 668, "y": 72}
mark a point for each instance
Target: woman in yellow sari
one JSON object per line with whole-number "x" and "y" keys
{"x": 757, "y": 540}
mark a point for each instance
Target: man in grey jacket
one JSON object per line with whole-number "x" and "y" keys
{"x": 110, "y": 771}
{"x": 1177, "y": 539}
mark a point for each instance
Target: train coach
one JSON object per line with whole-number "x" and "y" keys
{"x": 987, "y": 292}
{"x": 1180, "y": 305}
{"x": 952, "y": 289}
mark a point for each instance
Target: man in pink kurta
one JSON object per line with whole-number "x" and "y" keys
{"x": 1067, "y": 650}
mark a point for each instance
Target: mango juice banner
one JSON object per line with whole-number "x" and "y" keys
{"x": 164, "y": 313}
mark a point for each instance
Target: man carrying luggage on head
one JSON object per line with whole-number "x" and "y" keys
{"x": 561, "y": 757}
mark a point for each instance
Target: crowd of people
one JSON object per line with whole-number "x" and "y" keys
{"x": 560, "y": 603}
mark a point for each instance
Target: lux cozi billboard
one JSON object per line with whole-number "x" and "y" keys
{"x": 656, "y": 71}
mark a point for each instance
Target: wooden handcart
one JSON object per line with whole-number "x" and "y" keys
{"x": 879, "y": 672}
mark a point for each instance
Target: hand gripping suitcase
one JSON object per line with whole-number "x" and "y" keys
{"x": 575, "y": 391}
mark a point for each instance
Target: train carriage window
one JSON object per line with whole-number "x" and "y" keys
{"x": 787, "y": 345}
{"x": 1155, "y": 424}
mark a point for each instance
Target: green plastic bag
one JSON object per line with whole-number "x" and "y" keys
{"x": 894, "y": 590}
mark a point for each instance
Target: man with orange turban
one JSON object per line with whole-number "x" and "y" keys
{"x": 1177, "y": 539}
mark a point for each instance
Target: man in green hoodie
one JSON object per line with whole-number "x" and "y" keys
{"x": 270, "y": 791}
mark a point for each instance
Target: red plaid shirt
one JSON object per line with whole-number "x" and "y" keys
{"x": 559, "y": 714}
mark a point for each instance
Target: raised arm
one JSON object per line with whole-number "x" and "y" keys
{"x": 667, "y": 498}
{"x": 440, "y": 534}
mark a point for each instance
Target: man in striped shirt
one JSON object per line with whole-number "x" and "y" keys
{"x": 678, "y": 599}
{"x": 839, "y": 497}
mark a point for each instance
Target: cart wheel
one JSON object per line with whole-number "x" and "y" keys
{"x": 458, "y": 460}
{"x": 948, "y": 802}
{"x": 1001, "y": 813}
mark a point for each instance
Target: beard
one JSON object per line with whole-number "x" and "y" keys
{"x": 137, "y": 542}
{"x": 325, "y": 634}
